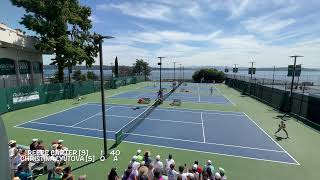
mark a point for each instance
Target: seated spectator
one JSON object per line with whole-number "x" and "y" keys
{"x": 113, "y": 174}
{"x": 34, "y": 144}
{"x": 23, "y": 154}
{"x": 222, "y": 173}
{"x": 127, "y": 173}
{"x": 60, "y": 141}
{"x": 12, "y": 146}
{"x": 40, "y": 145}
{"x": 67, "y": 175}
{"x": 139, "y": 157}
{"x": 135, "y": 165}
{"x": 82, "y": 177}
{"x": 21, "y": 174}
{"x": 26, "y": 167}
{"x": 147, "y": 158}
{"x": 157, "y": 174}
{"x": 172, "y": 173}
{"x": 57, "y": 171}
{"x": 169, "y": 161}
{"x": 158, "y": 164}
{"x": 15, "y": 161}
{"x": 143, "y": 173}
{"x": 208, "y": 166}
{"x": 217, "y": 176}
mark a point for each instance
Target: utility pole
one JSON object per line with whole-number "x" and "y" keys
{"x": 293, "y": 75}
{"x": 251, "y": 70}
{"x": 182, "y": 73}
{"x": 235, "y": 70}
{"x": 160, "y": 64}
{"x": 174, "y": 71}
{"x": 274, "y": 70}
{"x": 103, "y": 108}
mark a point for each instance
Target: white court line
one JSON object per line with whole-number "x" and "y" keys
{"x": 190, "y": 150}
{"x": 89, "y": 117}
{"x": 167, "y": 138}
{"x": 52, "y": 114}
{"x": 203, "y": 134}
{"x": 184, "y": 111}
{"x": 225, "y": 97}
{"x": 271, "y": 138}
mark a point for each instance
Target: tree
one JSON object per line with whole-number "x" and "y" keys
{"x": 208, "y": 76}
{"x": 142, "y": 67}
{"x": 116, "y": 67}
{"x": 125, "y": 70}
{"x": 76, "y": 75}
{"x": 53, "y": 21}
{"x": 92, "y": 76}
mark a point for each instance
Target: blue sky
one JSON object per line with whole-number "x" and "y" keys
{"x": 202, "y": 32}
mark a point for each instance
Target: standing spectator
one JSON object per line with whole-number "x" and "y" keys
{"x": 12, "y": 147}
{"x": 34, "y": 144}
{"x": 134, "y": 174}
{"x": 199, "y": 169}
{"x": 172, "y": 173}
{"x": 208, "y": 166}
{"x": 113, "y": 174}
{"x": 21, "y": 174}
{"x": 169, "y": 161}
{"x": 15, "y": 161}
{"x": 139, "y": 157}
{"x": 68, "y": 174}
{"x": 194, "y": 171}
{"x": 158, "y": 164}
{"x": 147, "y": 158}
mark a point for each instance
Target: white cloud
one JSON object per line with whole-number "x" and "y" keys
{"x": 95, "y": 19}
{"x": 267, "y": 24}
{"x": 141, "y": 10}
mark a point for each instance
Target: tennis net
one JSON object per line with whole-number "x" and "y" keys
{"x": 130, "y": 126}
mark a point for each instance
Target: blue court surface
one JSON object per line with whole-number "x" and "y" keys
{"x": 225, "y": 133}
{"x": 185, "y": 97}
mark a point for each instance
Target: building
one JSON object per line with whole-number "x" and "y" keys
{"x": 20, "y": 63}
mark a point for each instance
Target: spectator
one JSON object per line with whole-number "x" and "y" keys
{"x": 67, "y": 175}
{"x": 40, "y": 145}
{"x": 158, "y": 164}
{"x": 34, "y": 144}
{"x": 113, "y": 174}
{"x": 12, "y": 147}
{"x": 60, "y": 141}
{"x": 82, "y": 177}
{"x": 57, "y": 171}
{"x": 199, "y": 169}
{"x": 172, "y": 173}
{"x": 194, "y": 171}
{"x": 23, "y": 154}
{"x": 15, "y": 161}
{"x": 134, "y": 174}
{"x": 184, "y": 175}
{"x": 157, "y": 173}
{"x": 150, "y": 172}
{"x": 26, "y": 166}
{"x": 135, "y": 165}
{"x": 169, "y": 161}
{"x": 217, "y": 176}
{"x": 139, "y": 157}
{"x": 21, "y": 174}
{"x": 222, "y": 173}
{"x": 143, "y": 173}
{"x": 208, "y": 166}
{"x": 147, "y": 158}
{"x": 127, "y": 173}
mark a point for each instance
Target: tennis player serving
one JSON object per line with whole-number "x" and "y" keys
{"x": 282, "y": 126}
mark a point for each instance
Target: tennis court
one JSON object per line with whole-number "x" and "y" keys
{"x": 184, "y": 97}
{"x": 226, "y": 133}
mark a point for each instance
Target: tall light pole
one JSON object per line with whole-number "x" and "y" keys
{"x": 293, "y": 75}
{"x": 174, "y": 71}
{"x": 103, "y": 108}
{"x": 251, "y": 72}
{"x": 183, "y": 73}
{"x": 235, "y": 70}
{"x": 160, "y": 64}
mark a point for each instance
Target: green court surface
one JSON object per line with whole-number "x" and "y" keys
{"x": 303, "y": 144}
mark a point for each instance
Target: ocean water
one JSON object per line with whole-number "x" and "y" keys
{"x": 306, "y": 76}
